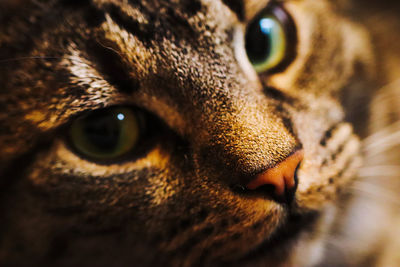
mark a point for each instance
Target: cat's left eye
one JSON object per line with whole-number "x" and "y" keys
{"x": 270, "y": 40}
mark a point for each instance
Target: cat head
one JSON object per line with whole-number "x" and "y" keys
{"x": 132, "y": 129}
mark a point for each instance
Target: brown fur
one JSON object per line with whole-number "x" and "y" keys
{"x": 219, "y": 124}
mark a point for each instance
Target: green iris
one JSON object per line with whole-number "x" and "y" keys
{"x": 105, "y": 134}
{"x": 266, "y": 42}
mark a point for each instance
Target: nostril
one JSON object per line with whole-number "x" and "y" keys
{"x": 281, "y": 180}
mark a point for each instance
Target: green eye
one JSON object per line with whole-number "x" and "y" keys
{"x": 105, "y": 134}
{"x": 270, "y": 39}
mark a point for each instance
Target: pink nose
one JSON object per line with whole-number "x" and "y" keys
{"x": 282, "y": 176}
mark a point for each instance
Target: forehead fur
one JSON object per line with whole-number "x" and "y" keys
{"x": 220, "y": 123}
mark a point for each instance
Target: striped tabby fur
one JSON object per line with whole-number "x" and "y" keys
{"x": 220, "y": 123}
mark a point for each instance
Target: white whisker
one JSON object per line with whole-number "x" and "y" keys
{"x": 382, "y": 133}
{"x": 389, "y": 136}
{"x": 376, "y": 192}
{"x": 382, "y": 144}
{"x": 388, "y": 171}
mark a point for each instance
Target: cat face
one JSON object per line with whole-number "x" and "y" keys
{"x": 203, "y": 121}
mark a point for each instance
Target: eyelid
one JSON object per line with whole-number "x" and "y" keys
{"x": 70, "y": 163}
{"x": 254, "y": 7}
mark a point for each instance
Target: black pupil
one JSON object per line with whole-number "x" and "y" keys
{"x": 258, "y": 43}
{"x": 102, "y": 130}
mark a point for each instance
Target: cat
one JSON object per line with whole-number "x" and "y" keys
{"x": 199, "y": 133}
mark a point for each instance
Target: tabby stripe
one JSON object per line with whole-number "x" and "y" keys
{"x": 197, "y": 238}
{"x": 328, "y": 134}
{"x": 287, "y": 122}
{"x": 144, "y": 32}
{"x": 335, "y": 154}
{"x": 192, "y": 7}
{"x": 339, "y": 150}
{"x": 175, "y": 23}
{"x": 342, "y": 171}
{"x": 110, "y": 65}
{"x": 93, "y": 16}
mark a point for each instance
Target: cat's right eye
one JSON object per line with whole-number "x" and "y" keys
{"x": 270, "y": 40}
{"x": 106, "y": 134}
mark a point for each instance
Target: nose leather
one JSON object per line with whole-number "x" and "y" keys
{"x": 282, "y": 176}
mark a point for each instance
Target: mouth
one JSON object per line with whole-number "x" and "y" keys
{"x": 276, "y": 246}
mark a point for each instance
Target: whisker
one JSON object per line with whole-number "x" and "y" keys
{"x": 385, "y": 138}
{"x": 383, "y": 144}
{"x": 388, "y": 170}
{"x": 380, "y": 134}
{"x": 375, "y": 191}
